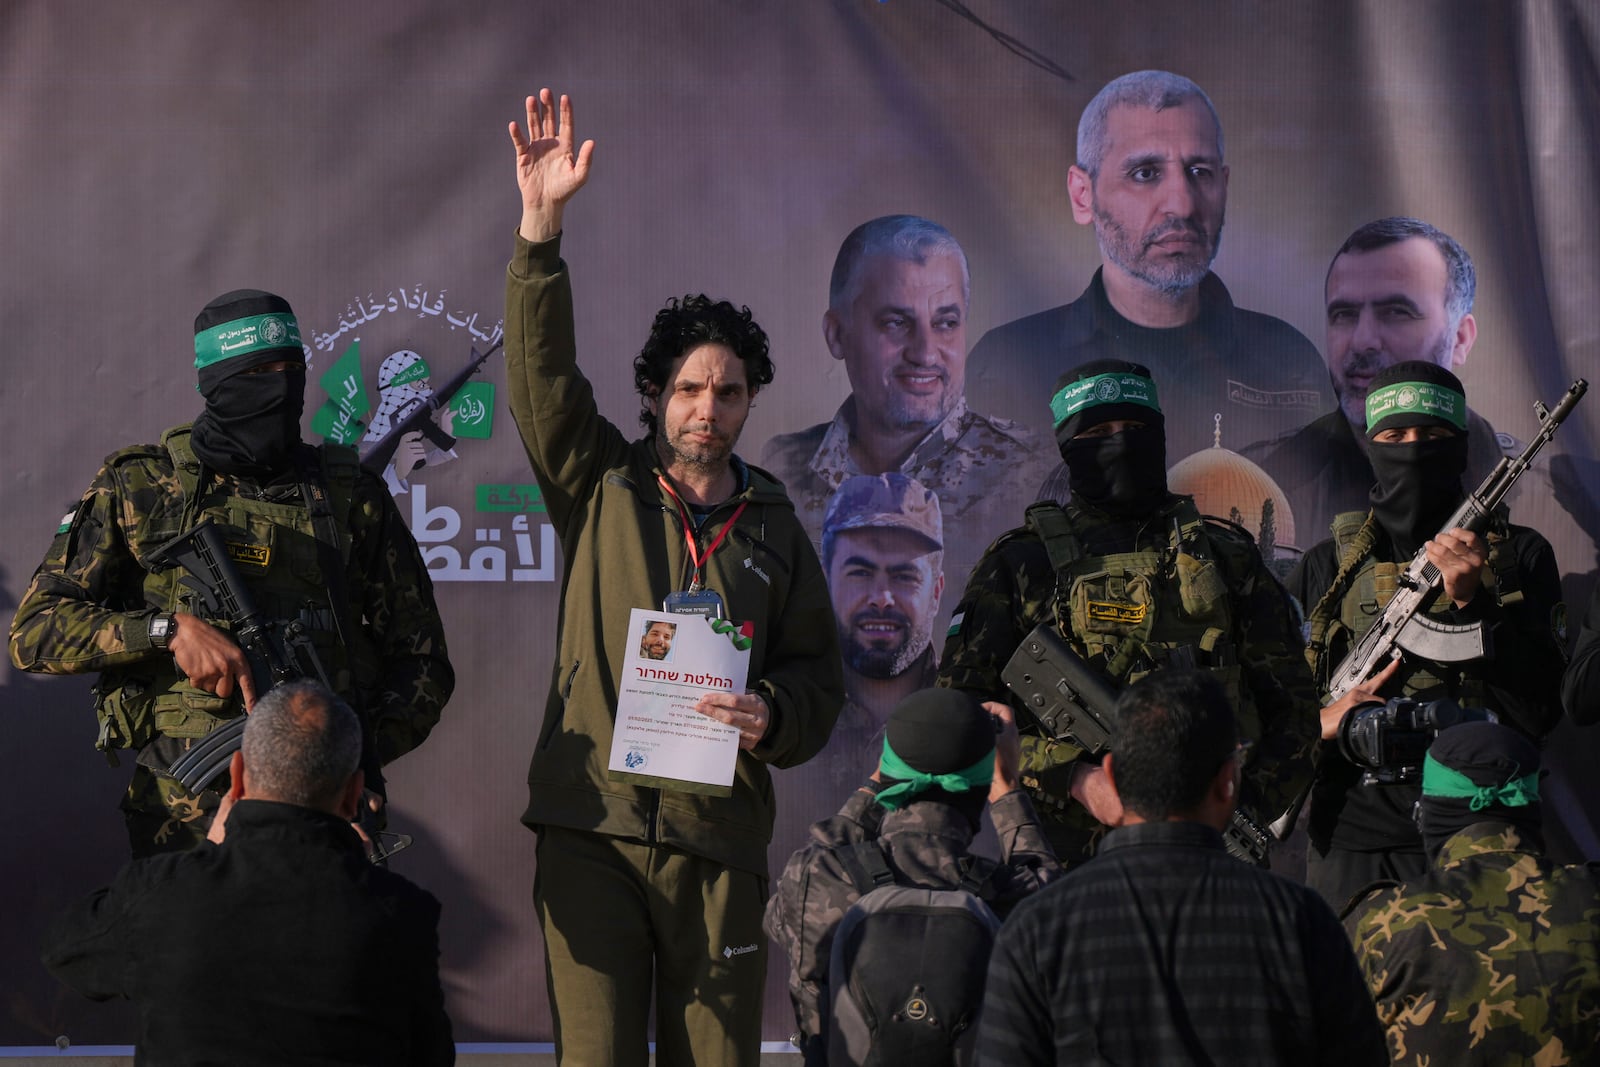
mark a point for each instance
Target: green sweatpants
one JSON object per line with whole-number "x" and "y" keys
{"x": 617, "y": 914}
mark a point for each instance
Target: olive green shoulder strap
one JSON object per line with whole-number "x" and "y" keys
{"x": 1049, "y": 521}
{"x": 188, "y": 469}
{"x": 1355, "y": 536}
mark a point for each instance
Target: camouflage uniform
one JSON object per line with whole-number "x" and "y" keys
{"x": 1257, "y": 657}
{"x": 980, "y": 468}
{"x": 90, "y": 602}
{"x": 1492, "y": 957}
{"x": 927, "y": 845}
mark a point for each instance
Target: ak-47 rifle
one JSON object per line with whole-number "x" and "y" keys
{"x": 420, "y": 416}
{"x": 1076, "y": 705}
{"x": 1404, "y": 626}
{"x": 277, "y": 651}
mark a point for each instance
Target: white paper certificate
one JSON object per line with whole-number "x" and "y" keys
{"x": 672, "y": 661}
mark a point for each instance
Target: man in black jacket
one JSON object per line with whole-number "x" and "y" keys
{"x": 275, "y": 941}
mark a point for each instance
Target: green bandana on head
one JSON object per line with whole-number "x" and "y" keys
{"x": 1114, "y": 388}
{"x": 909, "y": 782}
{"x": 1441, "y": 781}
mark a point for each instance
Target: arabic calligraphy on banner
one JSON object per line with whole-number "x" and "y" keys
{"x": 497, "y": 551}
{"x": 361, "y": 311}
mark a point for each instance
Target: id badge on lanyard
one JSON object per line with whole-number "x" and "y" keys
{"x": 707, "y": 602}
{"x": 697, "y": 600}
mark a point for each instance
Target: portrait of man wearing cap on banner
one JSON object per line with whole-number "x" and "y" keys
{"x": 883, "y": 553}
{"x": 1131, "y": 579}
{"x": 316, "y": 542}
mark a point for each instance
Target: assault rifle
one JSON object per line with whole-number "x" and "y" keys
{"x": 277, "y": 651}
{"x": 1075, "y": 704}
{"x": 420, "y": 415}
{"x": 1404, "y": 625}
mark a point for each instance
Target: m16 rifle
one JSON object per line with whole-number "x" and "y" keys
{"x": 1076, "y": 705}
{"x": 1404, "y": 627}
{"x": 277, "y": 651}
{"x": 419, "y": 418}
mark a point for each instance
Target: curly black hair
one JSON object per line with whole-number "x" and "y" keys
{"x": 686, "y": 324}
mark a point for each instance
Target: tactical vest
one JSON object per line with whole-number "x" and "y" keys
{"x": 274, "y": 544}
{"x": 1363, "y": 587}
{"x": 1130, "y": 613}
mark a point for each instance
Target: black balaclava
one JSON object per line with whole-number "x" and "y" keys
{"x": 251, "y": 422}
{"x": 1124, "y": 474}
{"x": 1419, "y": 483}
{"x": 1478, "y": 772}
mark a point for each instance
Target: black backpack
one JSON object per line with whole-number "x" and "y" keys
{"x": 907, "y": 969}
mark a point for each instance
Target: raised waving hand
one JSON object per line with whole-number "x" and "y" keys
{"x": 548, "y": 171}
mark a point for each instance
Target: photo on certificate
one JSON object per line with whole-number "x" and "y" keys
{"x": 660, "y": 739}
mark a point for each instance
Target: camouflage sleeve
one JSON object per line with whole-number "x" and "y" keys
{"x": 1007, "y": 595}
{"x": 1008, "y": 592}
{"x": 395, "y": 597}
{"x": 1027, "y": 859}
{"x": 84, "y": 610}
{"x": 812, "y": 896}
{"x": 1273, "y": 670}
{"x": 1368, "y": 924}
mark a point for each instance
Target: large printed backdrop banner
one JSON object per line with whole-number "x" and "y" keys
{"x": 355, "y": 159}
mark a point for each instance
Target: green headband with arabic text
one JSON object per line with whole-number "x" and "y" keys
{"x": 246, "y": 336}
{"x": 1117, "y": 387}
{"x": 1428, "y": 399}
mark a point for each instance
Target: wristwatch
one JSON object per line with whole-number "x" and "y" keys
{"x": 162, "y": 627}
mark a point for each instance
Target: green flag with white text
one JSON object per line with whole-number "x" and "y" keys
{"x": 339, "y": 420}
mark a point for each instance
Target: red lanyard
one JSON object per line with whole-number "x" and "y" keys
{"x": 697, "y": 557}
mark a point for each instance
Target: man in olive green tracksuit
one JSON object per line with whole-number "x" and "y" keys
{"x": 634, "y": 879}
